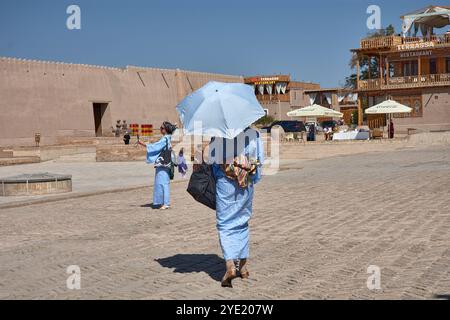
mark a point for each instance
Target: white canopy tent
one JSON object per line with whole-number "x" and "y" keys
{"x": 425, "y": 20}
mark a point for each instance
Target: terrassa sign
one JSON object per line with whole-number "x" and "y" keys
{"x": 267, "y": 80}
{"x": 414, "y": 46}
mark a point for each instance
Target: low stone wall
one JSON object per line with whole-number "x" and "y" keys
{"x": 319, "y": 150}
{"x": 311, "y": 151}
{"x": 52, "y": 152}
{"x": 430, "y": 138}
{"x": 17, "y": 161}
{"x": 120, "y": 153}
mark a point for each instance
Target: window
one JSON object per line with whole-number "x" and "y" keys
{"x": 448, "y": 65}
{"x": 411, "y": 68}
{"x": 266, "y": 111}
{"x": 433, "y": 66}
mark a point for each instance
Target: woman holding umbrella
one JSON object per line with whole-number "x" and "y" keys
{"x": 159, "y": 154}
{"x": 225, "y": 112}
{"x": 235, "y": 178}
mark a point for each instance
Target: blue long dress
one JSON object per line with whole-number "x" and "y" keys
{"x": 233, "y": 203}
{"x": 161, "y": 188}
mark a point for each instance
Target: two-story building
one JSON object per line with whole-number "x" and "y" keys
{"x": 412, "y": 68}
{"x": 278, "y": 94}
{"x": 339, "y": 99}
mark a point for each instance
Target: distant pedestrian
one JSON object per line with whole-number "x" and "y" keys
{"x": 127, "y": 138}
{"x": 391, "y": 130}
{"x": 312, "y": 132}
{"x": 182, "y": 166}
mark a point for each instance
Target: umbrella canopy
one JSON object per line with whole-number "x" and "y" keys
{"x": 315, "y": 111}
{"x": 388, "y": 107}
{"x": 220, "y": 110}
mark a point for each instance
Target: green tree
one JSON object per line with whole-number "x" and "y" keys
{"x": 365, "y": 65}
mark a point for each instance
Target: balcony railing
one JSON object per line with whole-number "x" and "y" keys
{"x": 394, "y": 41}
{"x": 406, "y": 82}
{"x": 373, "y": 84}
{"x": 380, "y": 42}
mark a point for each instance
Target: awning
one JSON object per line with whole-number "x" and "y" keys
{"x": 426, "y": 19}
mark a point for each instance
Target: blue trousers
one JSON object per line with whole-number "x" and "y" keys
{"x": 234, "y": 210}
{"x": 161, "y": 189}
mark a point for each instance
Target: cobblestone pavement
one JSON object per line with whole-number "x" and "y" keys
{"x": 87, "y": 175}
{"x": 314, "y": 233}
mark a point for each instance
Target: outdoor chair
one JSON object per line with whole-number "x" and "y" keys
{"x": 289, "y": 137}
{"x": 300, "y": 136}
{"x": 377, "y": 134}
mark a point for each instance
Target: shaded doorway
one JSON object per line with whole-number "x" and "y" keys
{"x": 99, "y": 112}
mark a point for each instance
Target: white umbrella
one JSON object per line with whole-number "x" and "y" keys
{"x": 388, "y": 107}
{"x": 315, "y": 111}
{"x": 220, "y": 109}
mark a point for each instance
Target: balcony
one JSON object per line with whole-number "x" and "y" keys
{"x": 381, "y": 42}
{"x": 398, "y": 43}
{"x": 422, "y": 81}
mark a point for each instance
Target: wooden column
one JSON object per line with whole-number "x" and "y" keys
{"x": 388, "y": 70}
{"x": 380, "y": 69}
{"x": 419, "y": 69}
{"x": 360, "y": 112}
{"x": 358, "y": 72}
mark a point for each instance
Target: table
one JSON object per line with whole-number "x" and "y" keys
{"x": 351, "y": 135}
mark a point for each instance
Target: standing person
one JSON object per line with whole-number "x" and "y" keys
{"x": 235, "y": 179}
{"x": 127, "y": 138}
{"x": 391, "y": 130}
{"x": 181, "y": 161}
{"x": 159, "y": 153}
{"x": 312, "y": 132}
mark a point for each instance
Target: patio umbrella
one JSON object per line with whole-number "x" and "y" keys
{"x": 220, "y": 110}
{"x": 388, "y": 107}
{"x": 315, "y": 111}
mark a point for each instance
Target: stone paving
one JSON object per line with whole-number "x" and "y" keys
{"x": 315, "y": 231}
{"x": 88, "y": 176}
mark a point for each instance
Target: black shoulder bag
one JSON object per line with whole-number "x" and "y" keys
{"x": 202, "y": 186}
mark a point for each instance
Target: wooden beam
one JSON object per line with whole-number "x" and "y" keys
{"x": 380, "y": 68}
{"x": 419, "y": 68}
{"x": 388, "y": 70}
{"x": 360, "y": 113}
{"x": 358, "y": 72}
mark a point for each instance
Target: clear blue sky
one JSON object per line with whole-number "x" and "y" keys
{"x": 308, "y": 39}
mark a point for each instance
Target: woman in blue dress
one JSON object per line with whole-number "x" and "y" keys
{"x": 161, "y": 188}
{"x": 234, "y": 197}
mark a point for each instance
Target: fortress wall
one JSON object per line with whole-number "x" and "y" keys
{"x": 56, "y": 99}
